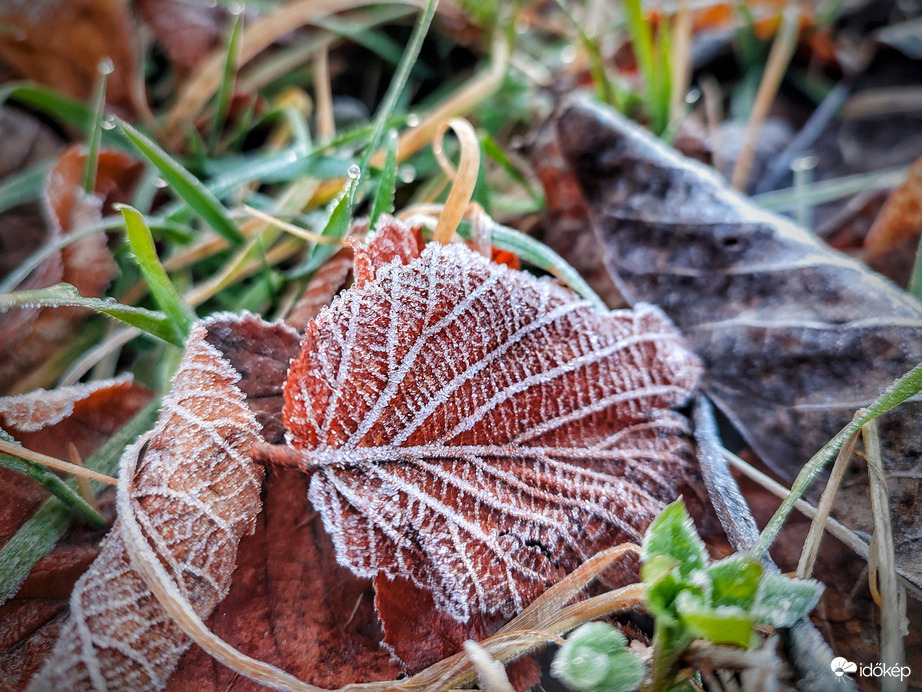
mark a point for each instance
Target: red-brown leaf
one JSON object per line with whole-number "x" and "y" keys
{"x": 60, "y": 43}
{"x": 480, "y": 432}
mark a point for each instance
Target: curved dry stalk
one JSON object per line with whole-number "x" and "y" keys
{"x": 465, "y": 178}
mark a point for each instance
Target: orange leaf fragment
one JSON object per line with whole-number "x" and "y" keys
{"x": 480, "y": 432}
{"x": 901, "y": 217}
{"x": 195, "y": 493}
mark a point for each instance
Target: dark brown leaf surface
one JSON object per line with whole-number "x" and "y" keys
{"x": 480, "y": 432}
{"x": 795, "y": 337}
{"x": 289, "y": 603}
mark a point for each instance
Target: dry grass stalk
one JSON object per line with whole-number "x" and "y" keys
{"x": 20, "y": 452}
{"x": 464, "y": 179}
{"x": 814, "y": 536}
{"x": 890, "y": 596}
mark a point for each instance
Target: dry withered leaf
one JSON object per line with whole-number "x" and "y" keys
{"x": 29, "y": 624}
{"x": 303, "y": 612}
{"x": 30, "y": 336}
{"x": 323, "y": 285}
{"x": 60, "y": 43}
{"x": 195, "y": 493}
{"x": 188, "y": 30}
{"x": 480, "y": 432}
{"x": 901, "y": 218}
{"x": 795, "y": 337}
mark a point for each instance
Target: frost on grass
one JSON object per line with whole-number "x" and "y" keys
{"x": 481, "y": 432}
{"x": 195, "y": 494}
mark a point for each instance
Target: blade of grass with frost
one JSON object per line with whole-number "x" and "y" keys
{"x": 228, "y": 78}
{"x": 162, "y": 289}
{"x": 111, "y": 223}
{"x": 62, "y": 108}
{"x": 902, "y": 389}
{"x": 830, "y": 190}
{"x": 189, "y": 188}
{"x": 99, "y": 111}
{"x": 384, "y": 197}
{"x": 43, "y": 529}
{"x": 24, "y": 186}
{"x": 69, "y": 497}
{"x": 538, "y": 254}
{"x": 66, "y": 295}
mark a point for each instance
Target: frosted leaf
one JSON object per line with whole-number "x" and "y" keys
{"x": 481, "y": 432}
{"x": 195, "y": 494}
{"x": 41, "y": 408}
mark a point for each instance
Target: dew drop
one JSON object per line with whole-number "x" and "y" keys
{"x": 108, "y": 123}
{"x": 693, "y": 95}
{"x": 105, "y": 66}
{"x": 522, "y": 24}
{"x": 568, "y": 54}
{"x": 406, "y": 173}
{"x": 159, "y": 182}
{"x": 412, "y": 120}
{"x": 354, "y": 172}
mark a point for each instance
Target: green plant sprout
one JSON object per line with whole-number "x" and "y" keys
{"x": 690, "y": 598}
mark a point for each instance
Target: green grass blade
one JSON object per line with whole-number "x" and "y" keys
{"x": 492, "y": 149}
{"x": 162, "y": 289}
{"x": 902, "y": 389}
{"x": 24, "y": 186}
{"x": 384, "y": 197}
{"x": 43, "y": 529}
{"x": 62, "y": 108}
{"x": 538, "y": 254}
{"x": 229, "y": 77}
{"x": 642, "y": 42}
{"x": 397, "y": 85}
{"x": 68, "y": 497}
{"x": 99, "y": 111}
{"x": 189, "y": 188}
{"x": 65, "y": 295}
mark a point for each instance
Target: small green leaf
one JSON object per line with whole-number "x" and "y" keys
{"x": 721, "y": 625}
{"x": 163, "y": 290}
{"x": 782, "y": 601}
{"x": 186, "y": 185}
{"x": 673, "y": 533}
{"x": 735, "y": 581}
{"x": 594, "y": 657}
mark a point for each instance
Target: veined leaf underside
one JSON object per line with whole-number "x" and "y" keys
{"x": 480, "y": 431}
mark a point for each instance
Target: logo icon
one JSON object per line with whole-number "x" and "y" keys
{"x": 841, "y": 666}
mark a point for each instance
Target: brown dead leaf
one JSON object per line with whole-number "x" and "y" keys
{"x": 29, "y": 619}
{"x": 60, "y": 43}
{"x": 475, "y": 430}
{"x": 303, "y": 612}
{"x": 187, "y": 29}
{"x": 323, "y": 285}
{"x": 795, "y": 336}
{"x": 29, "y": 337}
{"x": 901, "y": 218}
{"x": 195, "y": 493}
